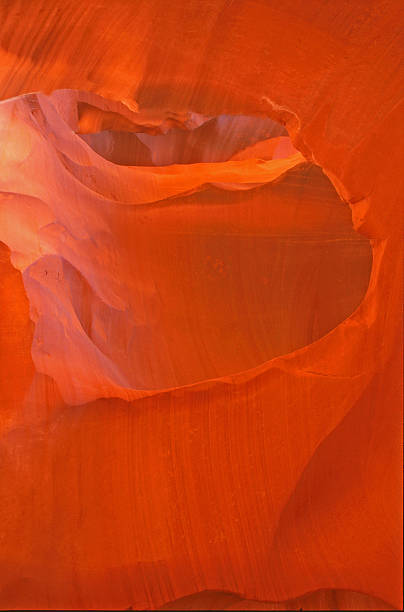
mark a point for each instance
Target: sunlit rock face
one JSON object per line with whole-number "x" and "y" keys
{"x": 215, "y": 140}
{"x": 200, "y": 288}
{"x": 154, "y": 277}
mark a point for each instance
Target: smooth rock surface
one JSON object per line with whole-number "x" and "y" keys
{"x": 200, "y": 372}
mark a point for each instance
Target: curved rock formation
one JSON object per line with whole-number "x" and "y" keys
{"x": 148, "y": 279}
{"x": 201, "y": 292}
{"x": 324, "y": 599}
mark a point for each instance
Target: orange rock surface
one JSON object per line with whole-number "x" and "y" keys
{"x": 200, "y": 289}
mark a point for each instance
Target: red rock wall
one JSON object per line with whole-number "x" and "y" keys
{"x": 200, "y": 377}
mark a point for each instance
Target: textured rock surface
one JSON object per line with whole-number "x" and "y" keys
{"x": 200, "y": 382}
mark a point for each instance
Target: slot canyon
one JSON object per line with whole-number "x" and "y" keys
{"x": 201, "y": 304}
